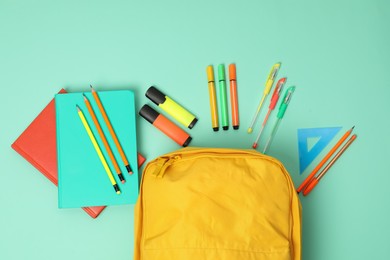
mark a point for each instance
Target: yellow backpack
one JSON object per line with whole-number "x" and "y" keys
{"x": 211, "y": 203}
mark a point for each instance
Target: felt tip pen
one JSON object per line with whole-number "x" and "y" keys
{"x": 165, "y": 125}
{"x": 282, "y": 110}
{"x": 171, "y": 107}
{"x": 272, "y": 105}
{"x": 223, "y": 96}
{"x": 233, "y": 96}
{"x": 213, "y": 98}
{"x": 267, "y": 89}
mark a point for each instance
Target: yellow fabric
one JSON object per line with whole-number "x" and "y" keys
{"x": 209, "y": 203}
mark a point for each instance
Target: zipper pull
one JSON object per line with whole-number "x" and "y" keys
{"x": 163, "y": 163}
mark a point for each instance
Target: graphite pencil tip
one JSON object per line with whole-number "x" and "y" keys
{"x": 78, "y": 109}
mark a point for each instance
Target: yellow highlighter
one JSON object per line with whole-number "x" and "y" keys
{"x": 171, "y": 107}
{"x": 267, "y": 89}
{"x": 213, "y": 98}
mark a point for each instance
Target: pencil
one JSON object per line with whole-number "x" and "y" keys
{"x": 104, "y": 139}
{"x": 319, "y": 166}
{"x": 98, "y": 151}
{"x": 113, "y": 135}
{"x": 315, "y": 180}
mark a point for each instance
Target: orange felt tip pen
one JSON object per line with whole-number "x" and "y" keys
{"x": 165, "y": 125}
{"x": 233, "y": 96}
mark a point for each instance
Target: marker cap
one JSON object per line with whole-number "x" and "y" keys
{"x": 210, "y": 73}
{"x": 221, "y": 72}
{"x": 155, "y": 95}
{"x": 232, "y": 71}
{"x": 149, "y": 113}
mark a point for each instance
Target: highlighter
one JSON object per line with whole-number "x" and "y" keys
{"x": 171, "y": 107}
{"x": 223, "y": 96}
{"x": 165, "y": 125}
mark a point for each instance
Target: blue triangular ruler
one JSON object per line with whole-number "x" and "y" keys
{"x": 308, "y": 152}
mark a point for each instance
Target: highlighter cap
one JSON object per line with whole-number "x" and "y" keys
{"x": 232, "y": 71}
{"x": 210, "y": 73}
{"x": 221, "y": 72}
{"x": 149, "y": 113}
{"x": 155, "y": 95}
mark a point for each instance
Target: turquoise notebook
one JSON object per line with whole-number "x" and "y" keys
{"x": 82, "y": 179}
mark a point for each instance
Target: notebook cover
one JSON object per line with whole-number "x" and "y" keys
{"x": 82, "y": 179}
{"x": 37, "y": 144}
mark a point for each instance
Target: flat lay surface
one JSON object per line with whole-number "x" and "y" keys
{"x": 335, "y": 53}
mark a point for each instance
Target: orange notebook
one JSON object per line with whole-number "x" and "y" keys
{"x": 37, "y": 144}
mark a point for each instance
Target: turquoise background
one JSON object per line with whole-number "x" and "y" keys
{"x": 335, "y": 52}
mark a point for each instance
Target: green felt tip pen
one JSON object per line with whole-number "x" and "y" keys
{"x": 279, "y": 116}
{"x": 223, "y": 96}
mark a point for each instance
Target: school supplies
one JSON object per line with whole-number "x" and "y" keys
{"x": 314, "y": 181}
{"x": 213, "y": 98}
{"x": 82, "y": 181}
{"x": 233, "y": 96}
{"x": 272, "y": 105}
{"x": 104, "y": 139}
{"x": 171, "y": 107}
{"x": 37, "y": 144}
{"x": 282, "y": 109}
{"x": 98, "y": 151}
{"x": 223, "y": 97}
{"x": 326, "y": 158}
{"x": 308, "y": 153}
{"x": 165, "y": 125}
{"x": 268, "y": 86}
{"x": 110, "y": 128}
{"x": 205, "y": 203}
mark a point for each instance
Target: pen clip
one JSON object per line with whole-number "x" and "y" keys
{"x": 279, "y": 86}
{"x": 288, "y": 95}
{"x": 273, "y": 73}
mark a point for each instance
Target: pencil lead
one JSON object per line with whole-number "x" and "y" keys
{"x": 78, "y": 109}
{"x": 352, "y": 127}
{"x": 85, "y": 97}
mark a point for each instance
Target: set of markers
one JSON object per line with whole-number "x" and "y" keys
{"x": 273, "y": 102}
{"x": 162, "y": 123}
{"x": 223, "y": 97}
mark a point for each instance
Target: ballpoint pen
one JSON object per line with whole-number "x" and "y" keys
{"x": 272, "y": 105}
{"x": 282, "y": 110}
{"x": 267, "y": 89}
{"x": 314, "y": 181}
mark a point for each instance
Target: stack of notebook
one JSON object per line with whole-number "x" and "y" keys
{"x": 38, "y": 145}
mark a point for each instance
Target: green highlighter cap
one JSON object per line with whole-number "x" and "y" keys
{"x": 221, "y": 72}
{"x": 286, "y": 101}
